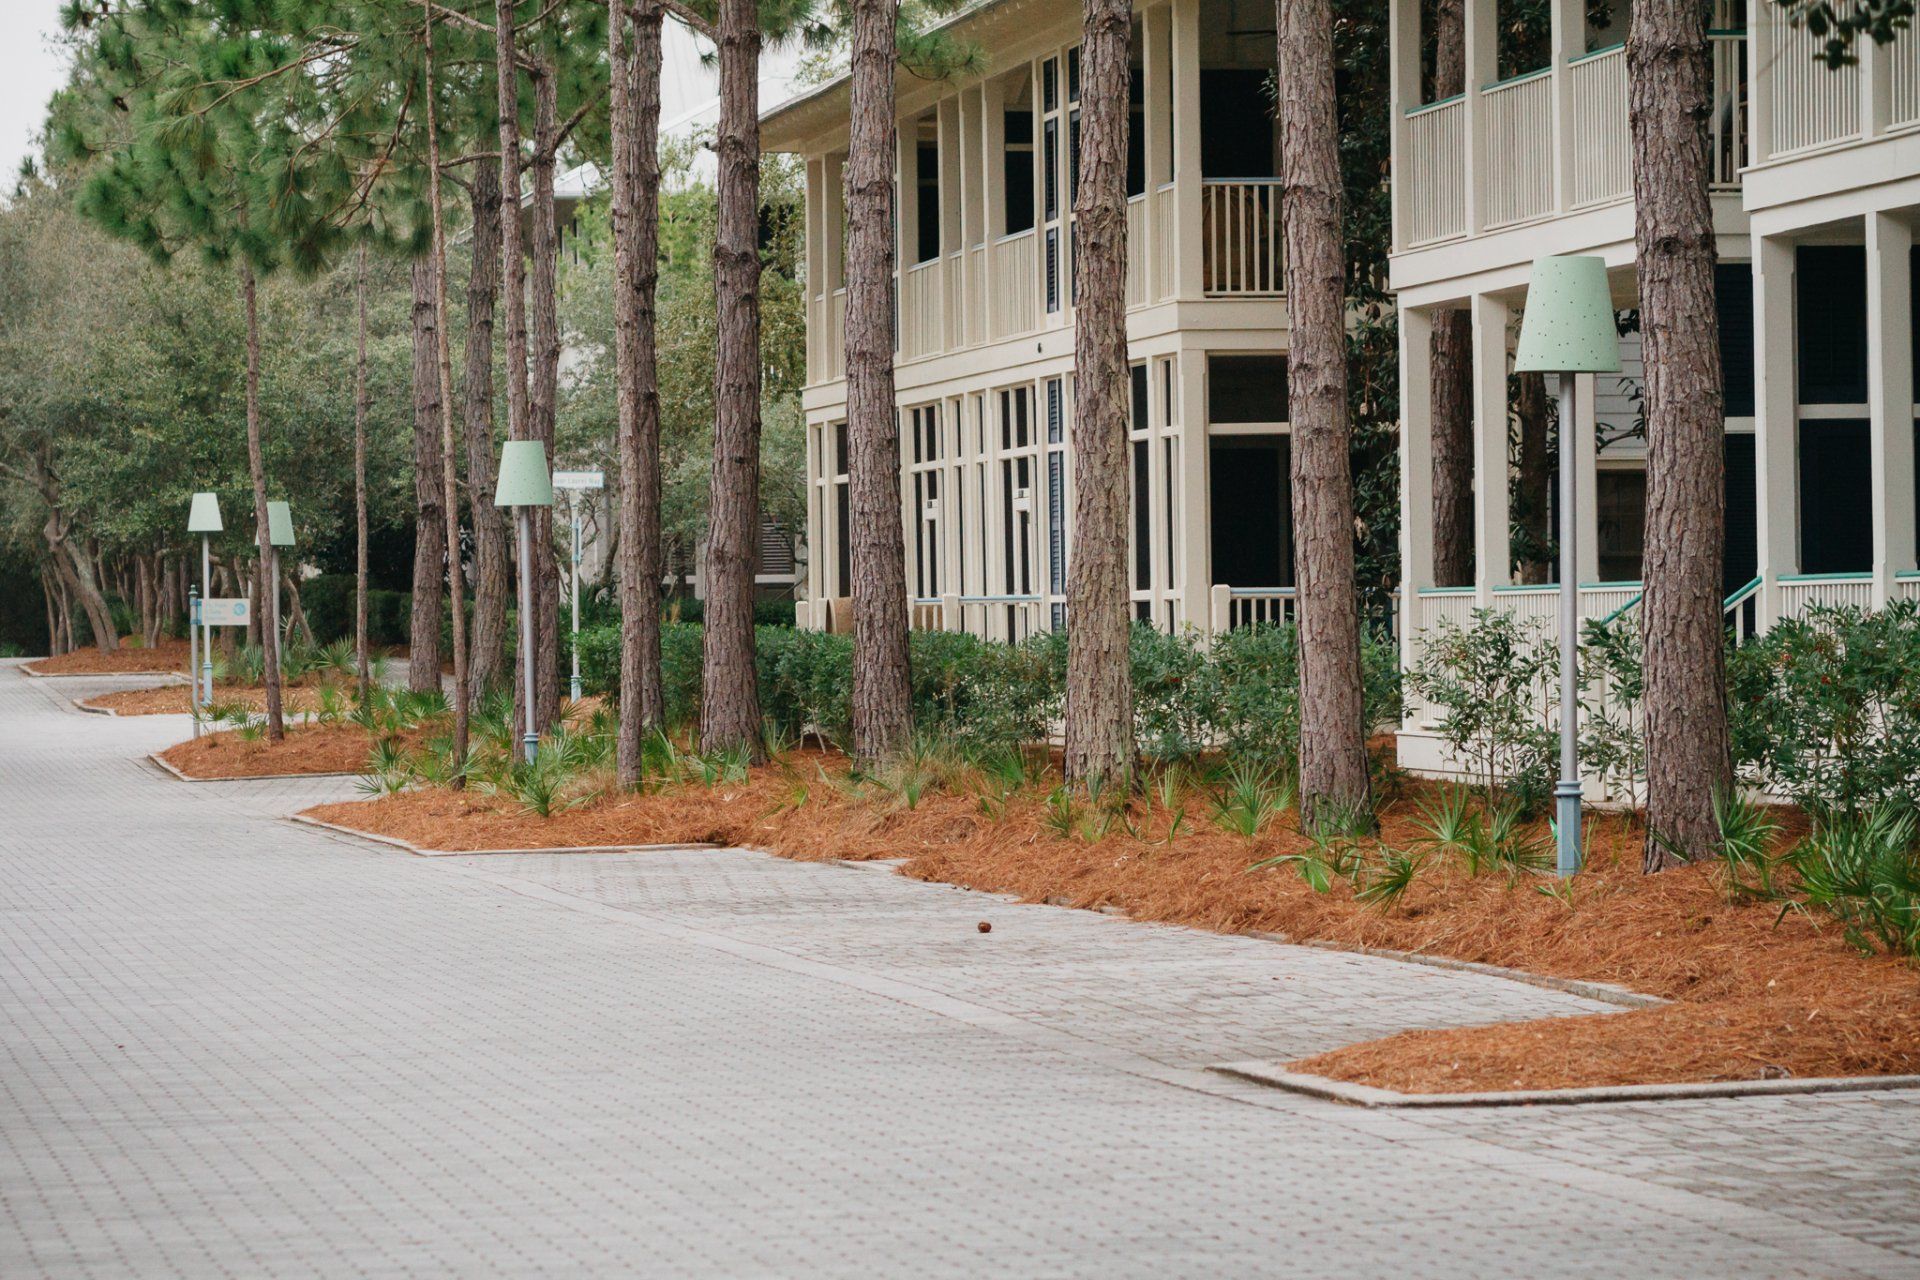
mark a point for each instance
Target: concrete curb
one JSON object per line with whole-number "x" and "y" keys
{"x": 409, "y": 847}
{"x": 255, "y": 777}
{"x": 166, "y": 677}
{"x": 1361, "y": 1095}
{"x": 1604, "y": 992}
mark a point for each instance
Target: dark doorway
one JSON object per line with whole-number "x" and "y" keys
{"x": 1236, "y": 123}
{"x": 1742, "y": 557}
{"x": 1249, "y": 516}
{"x": 1836, "y": 512}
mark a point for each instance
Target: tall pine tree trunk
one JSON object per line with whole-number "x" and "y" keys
{"x": 1452, "y": 360}
{"x": 263, "y": 539}
{"x": 513, "y": 249}
{"x": 430, "y": 521}
{"x": 449, "y": 483}
{"x": 1333, "y": 750}
{"x": 1099, "y": 720}
{"x": 636, "y": 205}
{"x": 882, "y": 700}
{"x": 363, "y": 662}
{"x": 730, "y": 701}
{"x": 1689, "y": 762}
{"x": 492, "y": 576}
{"x": 543, "y": 251}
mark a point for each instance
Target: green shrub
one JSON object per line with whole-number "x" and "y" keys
{"x": 328, "y": 601}
{"x": 1826, "y": 708}
{"x": 1490, "y": 683}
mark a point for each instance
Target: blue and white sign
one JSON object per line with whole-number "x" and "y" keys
{"x": 225, "y": 612}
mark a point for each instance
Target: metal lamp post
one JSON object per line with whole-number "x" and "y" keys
{"x": 525, "y": 483}
{"x": 1568, "y": 330}
{"x": 279, "y": 534}
{"x": 204, "y": 519}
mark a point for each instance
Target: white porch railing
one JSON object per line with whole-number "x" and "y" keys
{"x": 1810, "y": 104}
{"x": 1903, "y": 77}
{"x": 1139, "y": 252}
{"x": 923, "y": 310}
{"x": 1241, "y": 244}
{"x": 1800, "y": 592}
{"x": 974, "y": 314}
{"x": 1516, "y": 136}
{"x": 1600, "y": 166}
{"x": 1008, "y": 618}
{"x": 826, "y": 336}
{"x": 1230, "y": 607}
{"x": 1433, "y": 180}
{"x": 1727, "y": 128}
{"x": 1015, "y": 293}
{"x": 1161, "y": 225}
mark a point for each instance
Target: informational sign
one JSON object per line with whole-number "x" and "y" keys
{"x": 579, "y": 480}
{"x": 216, "y": 611}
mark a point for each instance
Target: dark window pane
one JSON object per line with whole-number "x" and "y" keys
{"x": 1142, "y": 519}
{"x": 929, "y": 186}
{"x": 1620, "y": 503}
{"x": 1836, "y": 474}
{"x": 1246, "y": 388}
{"x": 1236, "y": 129}
{"x": 1248, "y": 515}
{"x": 1831, "y": 294}
{"x": 1733, "y": 296}
{"x": 1138, "y": 378}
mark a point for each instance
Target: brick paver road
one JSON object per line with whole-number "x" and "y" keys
{"x": 237, "y": 1047}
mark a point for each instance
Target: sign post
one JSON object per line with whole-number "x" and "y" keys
{"x": 279, "y": 534}
{"x": 203, "y": 518}
{"x": 524, "y": 484}
{"x": 575, "y": 483}
{"x": 1568, "y": 329}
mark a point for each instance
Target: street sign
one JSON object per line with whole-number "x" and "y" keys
{"x": 579, "y": 480}
{"x": 219, "y": 612}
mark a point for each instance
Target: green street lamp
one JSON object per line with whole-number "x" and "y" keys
{"x": 524, "y": 484}
{"x": 1569, "y": 330}
{"x": 279, "y": 534}
{"x": 203, "y": 518}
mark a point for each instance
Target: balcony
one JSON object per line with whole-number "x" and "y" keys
{"x": 1547, "y": 143}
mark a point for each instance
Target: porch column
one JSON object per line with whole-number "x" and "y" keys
{"x": 1775, "y": 424}
{"x": 1483, "y": 67}
{"x": 1586, "y": 456}
{"x": 1188, "y": 213}
{"x": 1403, "y": 91}
{"x": 993, "y": 201}
{"x": 1156, "y": 57}
{"x": 1890, "y": 399}
{"x": 817, "y": 455}
{"x": 1567, "y": 40}
{"x": 1416, "y": 470}
{"x": 836, "y": 217}
{"x": 1196, "y": 512}
{"x": 1492, "y": 546}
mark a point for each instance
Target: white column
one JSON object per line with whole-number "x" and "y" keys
{"x": 1586, "y": 452}
{"x": 1196, "y": 511}
{"x": 1890, "y": 399}
{"x": 1416, "y": 470}
{"x": 817, "y": 455}
{"x": 1568, "y": 40}
{"x": 1775, "y": 420}
{"x": 1187, "y": 194}
{"x": 1483, "y": 67}
{"x": 1403, "y": 94}
{"x": 1491, "y": 519}
{"x": 1156, "y": 34}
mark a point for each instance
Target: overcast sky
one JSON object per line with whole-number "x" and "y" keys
{"x": 30, "y": 70}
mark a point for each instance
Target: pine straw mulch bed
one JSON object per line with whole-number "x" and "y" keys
{"x": 177, "y": 699}
{"x": 334, "y": 748}
{"x": 1754, "y": 995}
{"x": 168, "y": 656}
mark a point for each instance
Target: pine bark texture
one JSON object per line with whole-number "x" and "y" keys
{"x": 543, "y": 309}
{"x": 1452, "y": 360}
{"x": 636, "y": 210}
{"x": 263, "y": 541}
{"x": 1533, "y": 474}
{"x": 1689, "y": 762}
{"x": 492, "y": 574}
{"x": 1333, "y": 754}
{"x": 449, "y": 451}
{"x": 363, "y": 662}
{"x": 1099, "y": 712}
{"x": 514, "y": 272}
{"x": 730, "y": 698}
{"x": 430, "y": 517}
{"x": 882, "y": 697}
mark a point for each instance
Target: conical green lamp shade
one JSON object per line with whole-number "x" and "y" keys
{"x": 1568, "y": 326}
{"x": 204, "y": 517}
{"x": 524, "y": 480}
{"x": 279, "y": 524}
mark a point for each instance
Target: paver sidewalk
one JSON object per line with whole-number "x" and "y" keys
{"x": 236, "y": 1046}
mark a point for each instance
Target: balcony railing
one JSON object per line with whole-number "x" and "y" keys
{"x": 1241, "y": 243}
{"x": 1516, "y": 137}
{"x": 1433, "y": 186}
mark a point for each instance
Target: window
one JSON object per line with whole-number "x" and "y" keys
{"x": 842, "y": 515}
{"x": 1836, "y": 470}
{"x": 1231, "y": 100}
{"x": 927, "y": 500}
{"x": 1733, "y": 299}
{"x": 927, "y": 160}
{"x": 1016, "y": 492}
{"x": 1250, "y": 388}
{"x": 1620, "y": 514}
{"x": 1831, "y": 321}
{"x": 1017, "y": 171}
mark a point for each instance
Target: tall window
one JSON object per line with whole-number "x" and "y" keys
{"x": 927, "y": 184}
{"x": 1016, "y": 491}
{"x": 928, "y": 497}
{"x": 842, "y": 515}
{"x": 1057, "y": 499}
{"x": 1017, "y": 166}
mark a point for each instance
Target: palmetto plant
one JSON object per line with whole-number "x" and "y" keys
{"x": 1863, "y": 870}
{"x": 1249, "y": 797}
{"x": 1747, "y": 835}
